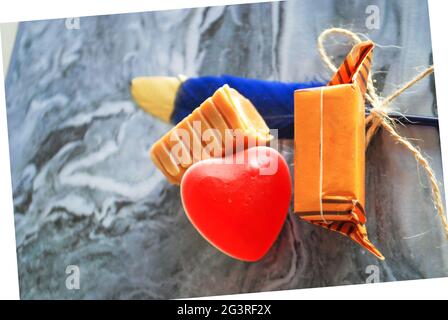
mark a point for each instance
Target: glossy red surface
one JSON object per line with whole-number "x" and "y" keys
{"x": 239, "y": 203}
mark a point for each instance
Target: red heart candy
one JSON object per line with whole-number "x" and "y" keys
{"x": 239, "y": 203}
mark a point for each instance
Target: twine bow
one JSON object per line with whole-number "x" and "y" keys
{"x": 378, "y": 117}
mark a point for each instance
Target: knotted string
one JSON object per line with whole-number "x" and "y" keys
{"x": 321, "y": 156}
{"x": 378, "y": 117}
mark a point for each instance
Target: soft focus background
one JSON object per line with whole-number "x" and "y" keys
{"x": 86, "y": 193}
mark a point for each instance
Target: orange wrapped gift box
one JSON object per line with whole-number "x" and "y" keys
{"x": 329, "y": 164}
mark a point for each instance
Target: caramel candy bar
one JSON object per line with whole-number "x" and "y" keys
{"x": 329, "y": 165}
{"x": 211, "y": 130}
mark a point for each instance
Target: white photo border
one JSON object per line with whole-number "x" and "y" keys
{"x": 24, "y": 10}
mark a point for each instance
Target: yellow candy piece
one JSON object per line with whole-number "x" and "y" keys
{"x": 223, "y": 122}
{"x": 156, "y": 95}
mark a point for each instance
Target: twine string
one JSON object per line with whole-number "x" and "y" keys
{"x": 378, "y": 117}
{"x": 321, "y": 156}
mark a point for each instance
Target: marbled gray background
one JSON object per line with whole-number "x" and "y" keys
{"x": 86, "y": 193}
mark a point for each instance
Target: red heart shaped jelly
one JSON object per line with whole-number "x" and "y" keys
{"x": 239, "y": 203}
